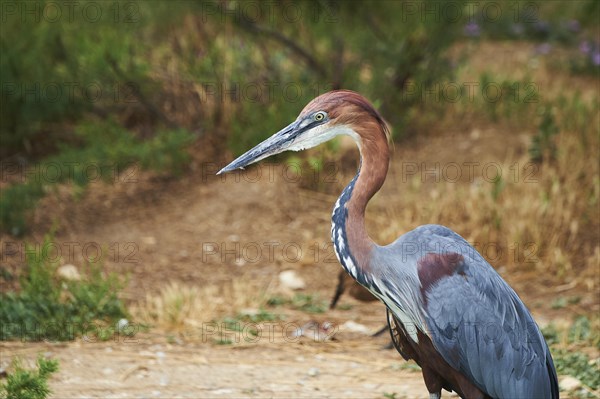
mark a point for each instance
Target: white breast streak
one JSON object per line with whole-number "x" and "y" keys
{"x": 411, "y": 323}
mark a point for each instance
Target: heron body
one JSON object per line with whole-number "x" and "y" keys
{"x": 448, "y": 309}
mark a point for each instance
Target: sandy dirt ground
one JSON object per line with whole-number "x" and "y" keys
{"x": 351, "y": 369}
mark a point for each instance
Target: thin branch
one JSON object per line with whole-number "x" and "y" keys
{"x": 286, "y": 41}
{"x": 135, "y": 91}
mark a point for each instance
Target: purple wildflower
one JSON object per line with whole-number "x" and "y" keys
{"x": 573, "y": 26}
{"x": 543, "y": 48}
{"x": 472, "y": 29}
{"x": 542, "y": 26}
{"x": 596, "y": 58}
{"x": 585, "y": 47}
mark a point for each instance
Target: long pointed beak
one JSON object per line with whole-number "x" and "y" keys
{"x": 275, "y": 144}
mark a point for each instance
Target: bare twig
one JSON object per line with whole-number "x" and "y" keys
{"x": 137, "y": 93}
{"x": 281, "y": 38}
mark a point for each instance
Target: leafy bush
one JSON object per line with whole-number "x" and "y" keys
{"x": 537, "y": 21}
{"x": 393, "y": 66}
{"x": 29, "y": 384}
{"x": 542, "y": 144}
{"x": 15, "y": 202}
{"x": 587, "y": 59}
{"x": 61, "y": 73}
{"x": 46, "y": 307}
{"x": 578, "y": 365}
{"x": 173, "y": 66}
{"x": 569, "y": 361}
{"x": 104, "y": 150}
{"x": 55, "y": 72}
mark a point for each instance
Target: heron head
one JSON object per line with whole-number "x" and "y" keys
{"x": 340, "y": 112}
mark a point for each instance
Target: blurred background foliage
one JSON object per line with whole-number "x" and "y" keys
{"x": 147, "y": 78}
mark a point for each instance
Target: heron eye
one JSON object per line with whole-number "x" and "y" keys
{"x": 319, "y": 116}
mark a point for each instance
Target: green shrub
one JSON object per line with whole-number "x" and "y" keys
{"x": 542, "y": 145}
{"x": 557, "y": 22}
{"x": 15, "y": 201}
{"x": 55, "y": 72}
{"x": 105, "y": 150}
{"x": 29, "y": 384}
{"x": 572, "y": 362}
{"x": 48, "y": 308}
{"x": 578, "y": 365}
{"x": 393, "y": 61}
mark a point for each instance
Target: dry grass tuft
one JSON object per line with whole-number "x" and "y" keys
{"x": 178, "y": 307}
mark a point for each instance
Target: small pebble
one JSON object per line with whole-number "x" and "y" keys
{"x": 149, "y": 240}
{"x": 289, "y": 279}
{"x": 313, "y": 372}
{"x": 568, "y": 383}
{"x": 121, "y": 324}
{"x": 164, "y": 380}
{"x": 69, "y": 273}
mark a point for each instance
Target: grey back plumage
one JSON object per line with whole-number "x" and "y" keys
{"x": 474, "y": 319}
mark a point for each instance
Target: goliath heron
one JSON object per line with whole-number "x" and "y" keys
{"x": 448, "y": 309}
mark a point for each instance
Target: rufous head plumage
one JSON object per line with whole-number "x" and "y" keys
{"x": 339, "y": 112}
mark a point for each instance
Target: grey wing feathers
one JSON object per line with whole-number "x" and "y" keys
{"x": 480, "y": 326}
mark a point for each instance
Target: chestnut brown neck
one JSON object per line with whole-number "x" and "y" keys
{"x": 374, "y": 152}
